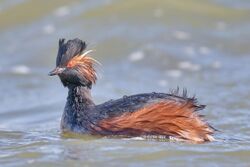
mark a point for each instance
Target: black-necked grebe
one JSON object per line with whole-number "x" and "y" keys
{"x": 157, "y": 114}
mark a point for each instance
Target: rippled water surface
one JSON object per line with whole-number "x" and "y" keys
{"x": 144, "y": 46}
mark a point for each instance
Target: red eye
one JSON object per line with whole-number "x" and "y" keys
{"x": 70, "y": 64}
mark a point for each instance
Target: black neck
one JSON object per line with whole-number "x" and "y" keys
{"x": 77, "y": 109}
{"x": 80, "y": 98}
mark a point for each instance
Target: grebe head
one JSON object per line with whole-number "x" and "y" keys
{"x": 73, "y": 66}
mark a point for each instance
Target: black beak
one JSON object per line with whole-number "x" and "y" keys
{"x": 56, "y": 71}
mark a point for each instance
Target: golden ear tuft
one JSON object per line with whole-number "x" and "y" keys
{"x": 85, "y": 65}
{"x": 82, "y": 59}
{"x": 86, "y": 53}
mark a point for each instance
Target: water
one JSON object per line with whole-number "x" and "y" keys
{"x": 144, "y": 46}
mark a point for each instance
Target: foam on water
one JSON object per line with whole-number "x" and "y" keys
{"x": 186, "y": 65}
{"x": 21, "y": 70}
{"x": 204, "y": 50}
{"x": 181, "y": 35}
{"x": 62, "y": 11}
{"x": 190, "y": 51}
{"x": 216, "y": 64}
{"x": 221, "y": 25}
{"x": 136, "y": 56}
{"x": 174, "y": 73}
{"x": 158, "y": 13}
{"x": 163, "y": 83}
{"x": 49, "y": 29}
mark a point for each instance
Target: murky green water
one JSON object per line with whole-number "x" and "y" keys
{"x": 144, "y": 46}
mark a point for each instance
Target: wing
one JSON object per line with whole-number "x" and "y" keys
{"x": 133, "y": 103}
